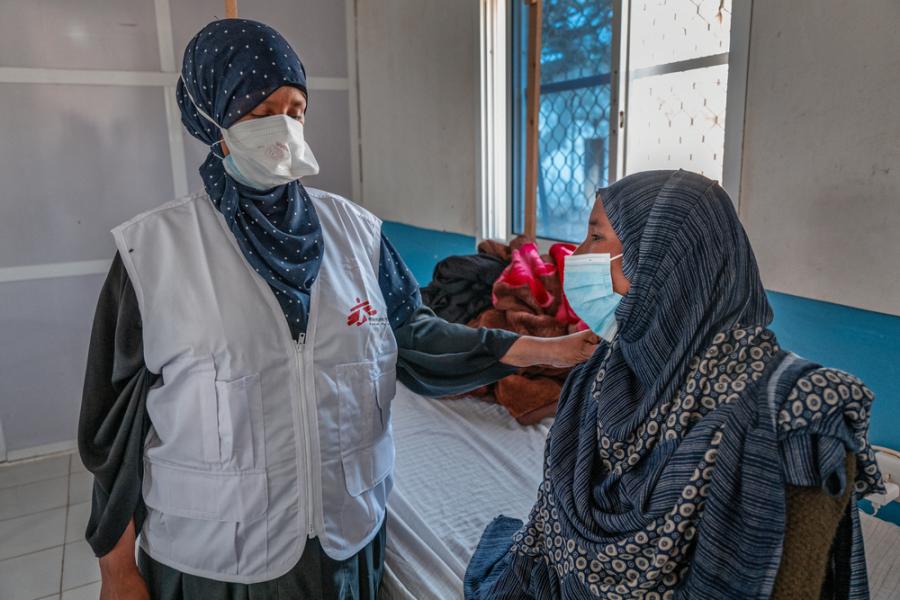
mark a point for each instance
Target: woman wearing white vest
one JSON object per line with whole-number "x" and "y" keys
{"x": 245, "y": 353}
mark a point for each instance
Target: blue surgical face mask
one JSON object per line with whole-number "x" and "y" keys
{"x": 589, "y": 290}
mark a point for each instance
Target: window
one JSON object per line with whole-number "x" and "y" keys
{"x": 575, "y": 112}
{"x": 678, "y": 71}
{"x": 674, "y": 54}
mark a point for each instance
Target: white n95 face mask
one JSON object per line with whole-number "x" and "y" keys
{"x": 268, "y": 152}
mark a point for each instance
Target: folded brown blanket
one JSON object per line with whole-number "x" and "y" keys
{"x": 528, "y": 299}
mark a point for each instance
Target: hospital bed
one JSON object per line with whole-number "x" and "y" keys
{"x": 460, "y": 463}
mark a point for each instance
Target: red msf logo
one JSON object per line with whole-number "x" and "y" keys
{"x": 360, "y": 313}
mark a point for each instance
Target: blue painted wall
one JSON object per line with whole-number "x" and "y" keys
{"x": 421, "y": 249}
{"x": 864, "y": 343}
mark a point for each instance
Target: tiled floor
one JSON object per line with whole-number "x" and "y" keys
{"x": 44, "y": 507}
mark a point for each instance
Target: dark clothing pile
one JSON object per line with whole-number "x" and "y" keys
{"x": 460, "y": 289}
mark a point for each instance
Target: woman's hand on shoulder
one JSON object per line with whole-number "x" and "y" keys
{"x": 564, "y": 351}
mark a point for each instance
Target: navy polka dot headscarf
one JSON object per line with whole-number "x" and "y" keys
{"x": 228, "y": 69}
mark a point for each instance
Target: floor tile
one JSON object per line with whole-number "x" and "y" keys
{"x": 33, "y": 497}
{"x": 87, "y": 592}
{"x": 31, "y": 576}
{"x": 80, "y": 487}
{"x": 76, "y": 466}
{"x": 80, "y": 566}
{"x": 32, "y": 533}
{"x": 77, "y": 521}
{"x": 28, "y": 472}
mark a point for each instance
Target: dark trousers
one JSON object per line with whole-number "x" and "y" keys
{"x": 314, "y": 577}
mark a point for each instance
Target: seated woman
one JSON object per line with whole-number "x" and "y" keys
{"x": 669, "y": 465}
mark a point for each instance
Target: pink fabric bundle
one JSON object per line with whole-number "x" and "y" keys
{"x": 528, "y": 299}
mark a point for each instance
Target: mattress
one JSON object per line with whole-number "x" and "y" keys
{"x": 460, "y": 463}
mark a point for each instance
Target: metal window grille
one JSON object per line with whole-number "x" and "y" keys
{"x": 575, "y": 109}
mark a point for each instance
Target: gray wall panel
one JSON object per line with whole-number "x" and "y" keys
{"x": 327, "y": 130}
{"x": 46, "y": 328}
{"x": 76, "y": 161}
{"x": 315, "y": 28}
{"x": 820, "y": 183}
{"x": 94, "y": 34}
{"x": 419, "y": 122}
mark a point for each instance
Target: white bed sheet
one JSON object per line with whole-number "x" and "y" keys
{"x": 460, "y": 463}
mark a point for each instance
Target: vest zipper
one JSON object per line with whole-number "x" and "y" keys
{"x": 299, "y": 344}
{"x": 308, "y": 483}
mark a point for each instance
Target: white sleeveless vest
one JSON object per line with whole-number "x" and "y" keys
{"x": 259, "y": 442}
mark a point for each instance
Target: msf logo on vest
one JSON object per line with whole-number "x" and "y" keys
{"x": 362, "y": 313}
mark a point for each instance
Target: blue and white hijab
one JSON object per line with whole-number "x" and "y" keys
{"x": 665, "y": 469}
{"x": 229, "y": 67}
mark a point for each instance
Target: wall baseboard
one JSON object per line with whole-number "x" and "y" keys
{"x": 41, "y": 451}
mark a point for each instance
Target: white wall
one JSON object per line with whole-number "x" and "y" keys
{"x": 418, "y": 96}
{"x": 820, "y": 192}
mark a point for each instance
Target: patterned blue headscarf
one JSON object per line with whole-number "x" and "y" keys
{"x": 228, "y": 69}
{"x": 692, "y": 274}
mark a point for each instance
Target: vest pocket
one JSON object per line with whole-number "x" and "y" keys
{"x": 184, "y": 413}
{"x": 367, "y": 448}
{"x": 385, "y": 390}
{"x": 240, "y": 428}
{"x": 208, "y": 495}
{"x": 363, "y": 470}
{"x": 360, "y": 416}
{"x": 200, "y": 421}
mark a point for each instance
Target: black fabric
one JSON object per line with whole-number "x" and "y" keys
{"x": 113, "y": 422}
{"x": 314, "y": 576}
{"x": 436, "y": 358}
{"x": 460, "y": 288}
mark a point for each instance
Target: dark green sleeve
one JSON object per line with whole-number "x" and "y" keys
{"x": 438, "y": 358}
{"x": 114, "y": 421}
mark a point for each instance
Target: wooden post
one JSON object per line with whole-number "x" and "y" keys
{"x": 231, "y": 9}
{"x": 533, "y": 101}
